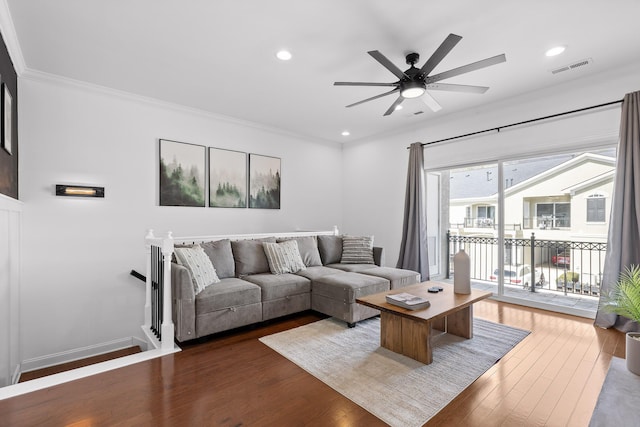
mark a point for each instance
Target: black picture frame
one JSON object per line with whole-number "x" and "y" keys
{"x": 265, "y": 173}
{"x": 182, "y": 174}
{"x": 228, "y": 178}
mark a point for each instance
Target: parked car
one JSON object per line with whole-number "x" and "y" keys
{"x": 518, "y": 275}
{"x": 562, "y": 258}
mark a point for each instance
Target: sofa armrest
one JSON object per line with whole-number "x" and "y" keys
{"x": 184, "y": 303}
{"x": 378, "y": 256}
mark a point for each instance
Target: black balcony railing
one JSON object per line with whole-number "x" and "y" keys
{"x": 558, "y": 265}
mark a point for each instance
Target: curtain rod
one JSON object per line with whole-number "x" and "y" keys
{"x": 523, "y": 123}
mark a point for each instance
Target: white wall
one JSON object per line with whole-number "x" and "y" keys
{"x": 375, "y": 169}
{"x": 77, "y": 253}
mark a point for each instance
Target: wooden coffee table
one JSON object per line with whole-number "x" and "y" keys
{"x": 409, "y": 332}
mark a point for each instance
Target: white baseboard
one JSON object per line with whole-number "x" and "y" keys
{"x": 86, "y": 371}
{"x": 46, "y": 361}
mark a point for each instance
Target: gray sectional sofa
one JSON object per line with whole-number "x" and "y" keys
{"x": 248, "y": 292}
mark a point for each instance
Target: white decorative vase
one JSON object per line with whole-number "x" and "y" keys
{"x": 461, "y": 273}
{"x": 633, "y": 352}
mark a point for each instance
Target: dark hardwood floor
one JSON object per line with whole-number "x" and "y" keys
{"x": 27, "y": 376}
{"x": 552, "y": 378}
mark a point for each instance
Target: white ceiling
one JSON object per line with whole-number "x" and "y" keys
{"x": 219, "y": 56}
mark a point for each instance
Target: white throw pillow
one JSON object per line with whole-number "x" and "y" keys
{"x": 199, "y": 265}
{"x": 283, "y": 257}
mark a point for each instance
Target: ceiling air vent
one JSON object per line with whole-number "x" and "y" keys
{"x": 573, "y": 66}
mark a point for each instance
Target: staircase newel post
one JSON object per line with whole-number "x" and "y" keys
{"x": 167, "y": 319}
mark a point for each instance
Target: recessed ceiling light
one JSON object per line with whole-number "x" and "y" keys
{"x": 346, "y": 133}
{"x": 398, "y": 107}
{"x": 555, "y": 51}
{"x": 284, "y": 55}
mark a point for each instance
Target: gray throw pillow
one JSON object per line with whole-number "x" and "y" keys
{"x": 308, "y": 248}
{"x": 283, "y": 257}
{"x": 330, "y": 248}
{"x": 357, "y": 250}
{"x": 221, "y": 257}
{"x": 249, "y": 256}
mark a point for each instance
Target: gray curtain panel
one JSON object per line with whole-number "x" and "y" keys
{"x": 624, "y": 226}
{"x": 413, "y": 249}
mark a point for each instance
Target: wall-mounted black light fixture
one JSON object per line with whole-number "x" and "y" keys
{"x": 79, "y": 191}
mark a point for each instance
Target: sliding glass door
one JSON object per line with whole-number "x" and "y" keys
{"x": 535, "y": 228}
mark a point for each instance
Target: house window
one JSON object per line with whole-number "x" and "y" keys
{"x": 485, "y": 215}
{"x": 595, "y": 208}
{"x": 487, "y": 212}
{"x": 553, "y": 215}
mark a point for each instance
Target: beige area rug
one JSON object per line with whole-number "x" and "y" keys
{"x": 398, "y": 390}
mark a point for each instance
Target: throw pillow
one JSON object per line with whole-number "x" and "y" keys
{"x": 283, "y": 257}
{"x": 357, "y": 250}
{"x": 199, "y": 265}
{"x": 308, "y": 247}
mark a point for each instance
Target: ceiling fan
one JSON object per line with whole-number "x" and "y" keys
{"x": 414, "y": 82}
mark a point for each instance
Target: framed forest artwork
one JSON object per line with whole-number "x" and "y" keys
{"x": 264, "y": 182}
{"x": 182, "y": 174}
{"x": 227, "y": 178}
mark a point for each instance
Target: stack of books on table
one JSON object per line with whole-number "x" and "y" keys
{"x": 405, "y": 300}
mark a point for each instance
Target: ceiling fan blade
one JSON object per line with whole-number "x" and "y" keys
{"x": 388, "y": 64}
{"x": 363, "y": 84}
{"x": 373, "y": 97}
{"x": 467, "y": 68}
{"x": 449, "y": 43}
{"x": 457, "y": 88}
{"x": 431, "y": 103}
{"x": 394, "y": 106}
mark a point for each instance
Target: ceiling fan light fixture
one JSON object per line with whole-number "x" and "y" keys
{"x": 410, "y": 90}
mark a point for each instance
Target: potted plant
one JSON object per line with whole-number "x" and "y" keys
{"x": 624, "y": 300}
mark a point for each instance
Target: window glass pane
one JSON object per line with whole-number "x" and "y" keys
{"x": 562, "y": 214}
{"x": 595, "y": 209}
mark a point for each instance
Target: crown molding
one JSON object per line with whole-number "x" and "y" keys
{"x": 54, "y": 79}
{"x": 11, "y": 38}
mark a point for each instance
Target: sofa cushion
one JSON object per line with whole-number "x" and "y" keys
{"x": 352, "y": 268}
{"x": 346, "y": 287}
{"x": 357, "y": 250}
{"x": 229, "y": 292}
{"x": 398, "y": 277}
{"x": 279, "y": 286}
{"x": 283, "y": 257}
{"x": 308, "y": 247}
{"x": 330, "y": 248}
{"x": 314, "y": 272}
{"x": 221, "y": 257}
{"x": 199, "y": 265}
{"x": 249, "y": 256}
